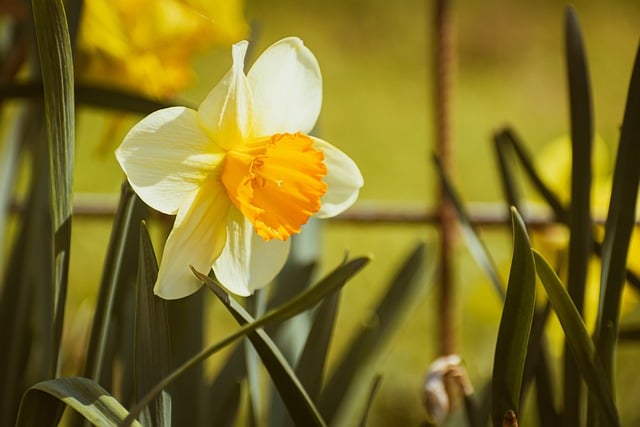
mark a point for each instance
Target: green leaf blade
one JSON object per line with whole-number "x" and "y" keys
{"x": 311, "y": 364}
{"x": 152, "y": 348}
{"x": 580, "y": 223}
{"x": 46, "y": 400}
{"x": 297, "y": 305}
{"x": 298, "y": 403}
{"x": 619, "y": 225}
{"x": 515, "y": 326}
{"x": 578, "y": 340}
{"x": 400, "y": 290}
{"x": 54, "y": 46}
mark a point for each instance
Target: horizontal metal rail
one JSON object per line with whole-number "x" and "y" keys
{"x": 491, "y": 214}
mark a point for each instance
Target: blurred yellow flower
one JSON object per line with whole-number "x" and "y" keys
{"x": 146, "y": 45}
{"x": 241, "y": 173}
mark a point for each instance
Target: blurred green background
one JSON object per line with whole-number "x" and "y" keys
{"x": 376, "y": 58}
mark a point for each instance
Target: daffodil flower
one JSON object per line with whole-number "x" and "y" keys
{"x": 242, "y": 173}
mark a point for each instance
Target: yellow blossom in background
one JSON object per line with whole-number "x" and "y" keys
{"x": 241, "y": 173}
{"x": 146, "y": 46}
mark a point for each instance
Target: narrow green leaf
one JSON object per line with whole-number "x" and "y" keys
{"x": 515, "y": 326}
{"x": 256, "y": 304}
{"x": 26, "y": 312}
{"x": 372, "y": 394}
{"x": 401, "y": 290}
{"x": 115, "y": 257}
{"x": 580, "y": 238}
{"x": 297, "y": 305}
{"x": 537, "y": 366}
{"x": 523, "y": 156}
{"x": 296, "y": 276}
{"x": 475, "y": 244}
{"x": 550, "y": 198}
{"x": 312, "y": 362}
{"x": 152, "y": 349}
{"x": 223, "y": 394}
{"x": 46, "y": 400}
{"x": 618, "y": 227}
{"x": 186, "y": 322}
{"x": 576, "y": 334}
{"x": 507, "y": 176}
{"x": 294, "y": 396}
{"x": 56, "y": 60}
{"x": 96, "y": 96}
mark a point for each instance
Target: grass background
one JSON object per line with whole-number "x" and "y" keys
{"x": 375, "y": 57}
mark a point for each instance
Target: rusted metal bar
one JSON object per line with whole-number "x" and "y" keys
{"x": 492, "y": 214}
{"x": 442, "y": 79}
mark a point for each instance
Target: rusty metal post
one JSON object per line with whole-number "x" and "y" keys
{"x": 443, "y": 65}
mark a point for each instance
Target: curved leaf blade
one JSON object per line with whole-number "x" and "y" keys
{"x": 294, "y": 396}
{"x": 297, "y": 305}
{"x": 581, "y": 346}
{"x": 82, "y": 394}
{"x": 400, "y": 290}
{"x": 515, "y": 326}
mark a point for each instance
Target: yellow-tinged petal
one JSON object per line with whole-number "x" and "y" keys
{"x": 248, "y": 262}
{"x": 343, "y": 179}
{"x": 167, "y": 157}
{"x": 286, "y": 86}
{"x": 197, "y": 239}
{"x": 226, "y": 111}
{"x": 278, "y": 184}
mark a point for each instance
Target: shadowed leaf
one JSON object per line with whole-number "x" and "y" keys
{"x": 580, "y": 240}
{"x": 26, "y": 311}
{"x": 294, "y": 396}
{"x": 152, "y": 349}
{"x": 400, "y": 291}
{"x": 311, "y": 364}
{"x": 618, "y": 227}
{"x": 115, "y": 257}
{"x": 297, "y": 305}
{"x": 224, "y": 391}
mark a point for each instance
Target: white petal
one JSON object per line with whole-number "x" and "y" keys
{"x": 286, "y": 86}
{"x": 247, "y": 262}
{"x": 167, "y": 156}
{"x": 226, "y": 111}
{"x": 197, "y": 238}
{"x": 343, "y": 179}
